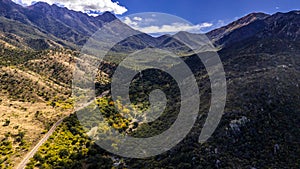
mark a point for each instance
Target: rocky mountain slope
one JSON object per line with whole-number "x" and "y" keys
{"x": 280, "y": 26}
{"x": 42, "y": 21}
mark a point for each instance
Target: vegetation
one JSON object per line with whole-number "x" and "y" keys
{"x": 6, "y": 150}
{"x": 70, "y": 147}
{"x": 250, "y": 130}
{"x": 35, "y": 90}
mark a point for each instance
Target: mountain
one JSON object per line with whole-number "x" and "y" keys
{"x": 25, "y": 36}
{"x": 65, "y": 27}
{"x": 11, "y": 10}
{"x": 219, "y": 33}
{"x": 72, "y": 29}
{"x": 255, "y": 27}
{"x": 281, "y": 28}
{"x": 68, "y": 25}
{"x": 260, "y": 125}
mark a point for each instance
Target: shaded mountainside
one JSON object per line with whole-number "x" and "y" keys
{"x": 23, "y": 36}
{"x": 269, "y": 32}
{"x": 65, "y": 27}
{"x": 219, "y": 33}
{"x": 280, "y": 27}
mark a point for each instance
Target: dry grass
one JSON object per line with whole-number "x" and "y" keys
{"x": 33, "y": 96}
{"x": 32, "y": 118}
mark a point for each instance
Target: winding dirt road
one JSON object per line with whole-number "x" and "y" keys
{"x": 24, "y": 162}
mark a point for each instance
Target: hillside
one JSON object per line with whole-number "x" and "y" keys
{"x": 35, "y": 93}
{"x": 261, "y": 122}
{"x": 280, "y": 26}
{"x": 49, "y": 25}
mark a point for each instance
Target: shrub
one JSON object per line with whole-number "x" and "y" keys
{"x": 6, "y": 123}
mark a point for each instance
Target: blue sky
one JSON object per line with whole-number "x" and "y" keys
{"x": 214, "y": 13}
{"x": 198, "y": 11}
{"x": 200, "y": 15}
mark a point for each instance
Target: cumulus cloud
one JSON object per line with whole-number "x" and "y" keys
{"x": 87, "y": 6}
{"x": 175, "y": 27}
{"x": 130, "y": 22}
{"x": 165, "y": 28}
{"x": 137, "y": 18}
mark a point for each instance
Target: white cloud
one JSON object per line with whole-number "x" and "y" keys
{"x": 130, "y": 22}
{"x": 84, "y": 5}
{"x": 137, "y": 18}
{"x": 167, "y": 28}
{"x": 175, "y": 27}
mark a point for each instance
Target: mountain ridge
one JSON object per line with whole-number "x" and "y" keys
{"x": 220, "y": 32}
{"x": 72, "y": 29}
{"x": 67, "y": 25}
{"x": 269, "y": 26}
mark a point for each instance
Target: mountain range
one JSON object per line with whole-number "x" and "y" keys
{"x": 66, "y": 28}
{"x": 40, "y": 44}
{"x": 62, "y": 26}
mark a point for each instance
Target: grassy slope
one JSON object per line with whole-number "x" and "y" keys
{"x": 35, "y": 92}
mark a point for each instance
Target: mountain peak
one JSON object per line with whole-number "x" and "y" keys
{"x": 107, "y": 17}
{"x": 5, "y": 4}
{"x": 181, "y": 33}
{"x": 252, "y": 16}
{"x": 244, "y": 21}
{"x": 40, "y": 4}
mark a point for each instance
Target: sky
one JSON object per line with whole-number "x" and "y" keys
{"x": 199, "y": 15}
{"x": 197, "y": 11}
